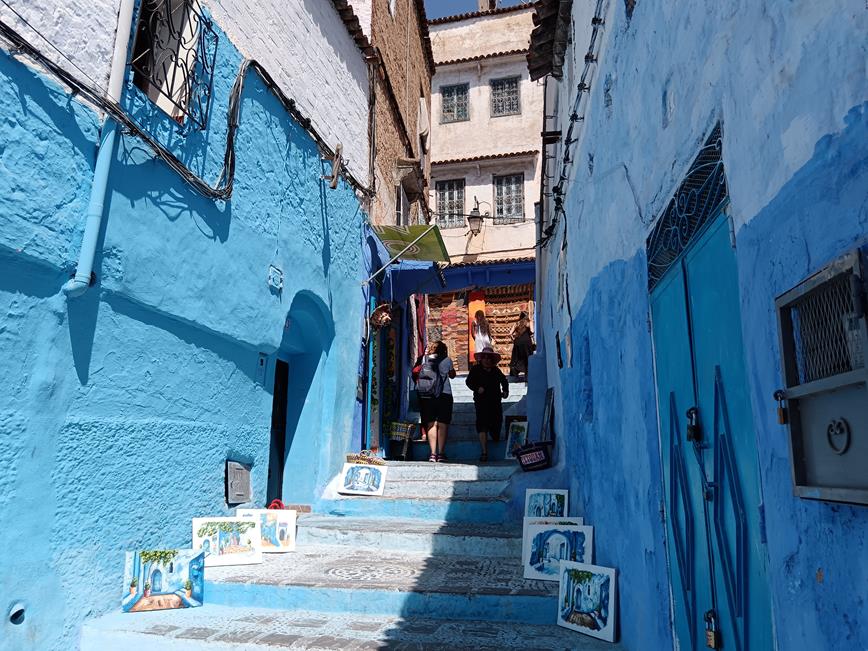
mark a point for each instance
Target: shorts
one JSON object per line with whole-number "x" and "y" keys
{"x": 436, "y": 409}
{"x": 489, "y": 418}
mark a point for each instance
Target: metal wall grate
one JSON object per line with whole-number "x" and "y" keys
{"x": 450, "y": 203}
{"x": 509, "y": 199}
{"x": 505, "y": 98}
{"x": 455, "y": 103}
{"x": 825, "y": 331}
{"x": 701, "y": 194}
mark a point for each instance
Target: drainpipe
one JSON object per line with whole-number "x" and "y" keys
{"x": 79, "y": 284}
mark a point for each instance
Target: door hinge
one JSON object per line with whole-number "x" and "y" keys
{"x": 762, "y": 522}
{"x": 731, "y": 224}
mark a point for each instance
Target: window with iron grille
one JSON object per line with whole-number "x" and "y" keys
{"x": 505, "y": 98}
{"x": 509, "y": 199}
{"x": 450, "y": 203}
{"x": 173, "y": 58}
{"x": 455, "y": 103}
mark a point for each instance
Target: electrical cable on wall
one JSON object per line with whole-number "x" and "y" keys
{"x": 583, "y": 87}
{"x": 223, "y": 188}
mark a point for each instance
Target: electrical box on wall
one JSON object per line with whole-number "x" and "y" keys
{"x": 238, "y": 488}
{"x": 822, "y": 327}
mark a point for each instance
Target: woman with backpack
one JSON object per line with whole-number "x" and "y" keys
{"x": 435, "y": 397}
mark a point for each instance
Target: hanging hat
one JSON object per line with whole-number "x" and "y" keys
{"x": 488, "y": 350}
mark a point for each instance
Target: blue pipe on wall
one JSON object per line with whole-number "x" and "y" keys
{"x": 78, "y": 285}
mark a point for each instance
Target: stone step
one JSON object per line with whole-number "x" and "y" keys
{"x": 458, "y": 509}
{"x": 423, "y": 470}
{"x": 469, "y": 539}
{"x": 387, "y": 582}
{"x": 444, "y": 489}
{"x": 223, "y": 628}
{"x": 462, "y": 450}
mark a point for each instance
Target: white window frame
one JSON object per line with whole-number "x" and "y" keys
{"x": 514, "y": 217}
{"x": 452, "y": 216}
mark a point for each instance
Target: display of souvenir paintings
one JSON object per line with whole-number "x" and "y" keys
{"x": 228, "y": 541}
{"x": 362, "y": 479}
{"x": 516, "y": 434}
{"x": 546, "y": 545}
{"x": 546, "y": 502}
{"x": 276, "y": 526}
{"x": 573, "y": 522}
{"x": 587, "y": 599}
{"x": 161, "y": 579}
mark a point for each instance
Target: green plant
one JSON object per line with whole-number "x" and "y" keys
{"x": 164, "y": 556}
{"x": 210, "y": 528}
{"x": 188, "y": 585}
{"x": 147, "y": 585}
{"x": 134, "y": 582}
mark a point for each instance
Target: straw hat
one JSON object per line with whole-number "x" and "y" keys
{"x": 488, "y": 350}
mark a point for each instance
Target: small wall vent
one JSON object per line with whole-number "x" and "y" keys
{"x": 238, "y": 488}
{"x": 822, "y": 326}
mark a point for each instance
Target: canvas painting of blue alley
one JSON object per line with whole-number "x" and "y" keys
{"x": 361, "y": 479}
{"x": 161, "y": 579}
{"x": 276, "y": 527}
{"x": 587, "y": 599}
{"x": 546, "y": 545}
{"x": 542, "y": 503}
{"x": 228, "y": 541}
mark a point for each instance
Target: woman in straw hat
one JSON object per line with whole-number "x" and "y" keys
{"x": 489, "y": 387}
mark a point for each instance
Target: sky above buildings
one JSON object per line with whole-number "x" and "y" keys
{"x": 440, "y": 8}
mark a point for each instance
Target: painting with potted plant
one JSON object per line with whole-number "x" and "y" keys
{"x": 228, "y": 540}
{"x": 160, "y": 579}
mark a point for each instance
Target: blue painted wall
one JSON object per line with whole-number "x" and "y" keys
{"x": 796, "y": 158}
{"x": 121, "y": 407}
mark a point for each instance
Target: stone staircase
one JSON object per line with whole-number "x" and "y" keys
{"x": 462, "y": 443}
{"x": 415, "y": 569}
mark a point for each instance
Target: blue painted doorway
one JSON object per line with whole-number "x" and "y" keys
{"x": 716, "y": 545}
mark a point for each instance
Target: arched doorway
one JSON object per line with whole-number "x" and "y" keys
{"x": 298, "y": 393}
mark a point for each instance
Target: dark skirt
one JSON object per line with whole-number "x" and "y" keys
{"x": 522, "y": 348}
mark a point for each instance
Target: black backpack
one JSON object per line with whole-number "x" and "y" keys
{"x": 430, "y": 382}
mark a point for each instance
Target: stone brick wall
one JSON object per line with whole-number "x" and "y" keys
{"x": 405, "y": 76}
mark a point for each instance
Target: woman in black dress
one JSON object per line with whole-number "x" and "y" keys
{"x": 522, "y": 346}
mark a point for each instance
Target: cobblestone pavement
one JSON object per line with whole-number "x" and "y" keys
{"x": 260, "y": 628}
{"x": 411, "y": 526}
{"x": 336, "y": 567}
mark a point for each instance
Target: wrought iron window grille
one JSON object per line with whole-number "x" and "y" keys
{"x": 455, "y": 103}
{"x": 702, "y": 193}
{"x": 450, "y": 203}
{"x": 173, "y": 58}
{"x": 509, "y": 199}
{"x": 505, "y": 97}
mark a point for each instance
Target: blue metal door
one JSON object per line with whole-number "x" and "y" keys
{"x": 713, "y": 501}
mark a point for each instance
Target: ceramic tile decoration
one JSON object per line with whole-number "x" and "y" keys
{"x": 276, "y": 526}
{"x": 546, "y": 502}
{"x": 587, "y": 599}
{"x": 228, "y": 541}
{"x": 516, "y": 434}
{"x": 546, "y": 545}
{"x": 575, "y": 522}
{"x": 162, "y": 579}
{"x": 362, "y": 479}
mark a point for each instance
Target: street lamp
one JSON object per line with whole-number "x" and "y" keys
{"x": 474, "y": 219}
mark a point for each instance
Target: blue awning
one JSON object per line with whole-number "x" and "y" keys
{"x": 411, "y": 277}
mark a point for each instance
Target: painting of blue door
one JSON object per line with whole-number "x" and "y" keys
{"x": 708, "y": 448}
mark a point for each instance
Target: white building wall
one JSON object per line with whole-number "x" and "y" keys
{"x": 481, "y": 35}
{"x": 483, "y": 135}
{"x": 302, "y": 43}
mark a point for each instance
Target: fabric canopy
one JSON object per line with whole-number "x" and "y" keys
{"x": 429, "y": 247}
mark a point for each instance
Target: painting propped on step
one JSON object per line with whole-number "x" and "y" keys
{"x": 362, "y": 479}
{"x": 544, "y": 503}
{"x": 546, "y": 545}
{"x": 276, "y": 526}
{"x": 587, "y": 599}
{"x": 516, "y": 434}
{"x": 162, "y": 579}
{"x": 228, "y": 541}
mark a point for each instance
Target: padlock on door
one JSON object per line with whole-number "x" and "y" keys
{"x": 783, "y": 411}
{"x": 712, "y": 636}
{"x": 694, "y": 431}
